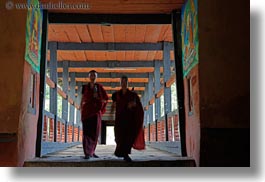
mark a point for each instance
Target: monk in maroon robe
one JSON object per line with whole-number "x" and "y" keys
{"x": 93, "y": 106}
{"x": 129, "y": 116}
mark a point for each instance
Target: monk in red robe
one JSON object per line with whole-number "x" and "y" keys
{"x": 129, "y": 116}
{"x": 93, "y": 106}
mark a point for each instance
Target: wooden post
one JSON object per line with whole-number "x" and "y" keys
{"x": 65, "y": 100}
{"x": 42, "y": 83}
{"x": 78, "y": 101}
{"x": 53, "y": 91}
{"x": 145, "y": 104}
{"x": 150, "y": 95}
{"x": 167, "y": 90}
{"x": 149, "y": 132}
{"x": 157, "y": 100}
{"x": 176, "y": 29}
{"x": 72, "y": 107}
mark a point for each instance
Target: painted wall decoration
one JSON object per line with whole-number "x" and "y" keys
{"x": 33, "y": 36}
{"x": 189, "y": 34}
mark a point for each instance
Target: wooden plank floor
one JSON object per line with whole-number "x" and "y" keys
{"x": 74, "y": 157}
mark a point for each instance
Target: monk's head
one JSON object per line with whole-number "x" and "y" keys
{"x": 124, "y": 82}
{"x": 92, "y": 76}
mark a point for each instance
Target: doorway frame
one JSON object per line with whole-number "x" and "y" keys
{"x": 74, "y": 18}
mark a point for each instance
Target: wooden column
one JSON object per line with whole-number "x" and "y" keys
{"x": 176, "y": 29}
{"x": 167, "y": 90}
{"x": 53, "y": 91}
{"x": 72, "y": 96}
{"x": 42, "y": 83}
{"x": 78, "y": 101}
{"x": 65, "y": 90}
{"x": 146, "y": 112}
{"x": 157, "y": 100}
{"x": 149, "y": 133}
{"x": 145, "y": 103}
{"x": 65, "y": 101}
{"x": 150, "y": 95}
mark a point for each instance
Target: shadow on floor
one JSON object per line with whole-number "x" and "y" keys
{"x": 74, "y": 157}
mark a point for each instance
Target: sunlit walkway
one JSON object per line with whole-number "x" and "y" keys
{"x": 73, "y": 157}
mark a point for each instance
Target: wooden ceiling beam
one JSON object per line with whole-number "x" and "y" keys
{"x": 117, "y": 80}
{"x": 110, "y": 65}
{"x": 112, "y": 91}
{"x": 107, "y": 19}
{"x": 110, "y": 75}
{"x": 116, "y": 84}
{"x": 110, "y": 46}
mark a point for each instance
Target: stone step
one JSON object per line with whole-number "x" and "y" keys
{"x": 110, "y": 163}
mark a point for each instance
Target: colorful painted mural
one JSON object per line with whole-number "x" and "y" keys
{"x": 189, "y": 34}
{"x": 33, "y": 36}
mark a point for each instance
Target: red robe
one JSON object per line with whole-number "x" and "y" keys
{"x": 128, "y": 128}
{"x": 91, "y": 113}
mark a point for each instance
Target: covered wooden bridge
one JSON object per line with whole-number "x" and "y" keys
{"x": 140, "y": 47}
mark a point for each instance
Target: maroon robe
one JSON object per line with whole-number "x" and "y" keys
{"x": 91, "y": 112}
{"x": 128, "y": 128}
